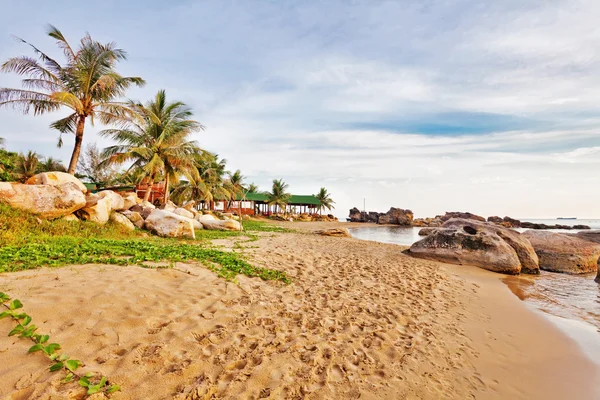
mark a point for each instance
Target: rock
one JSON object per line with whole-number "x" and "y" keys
{"x": 495, "y": 220}
{"x": 461, "y": 215}
{"x": 170, "y": 206}
{"x": 221, "y": 225}
{"x": 55, "y": 178}
{"x": 481, "y": 244}
{"x": 97, "y": 209}
{"x": 146, "y": 211}
{"x": 514, "y": 223}
{"x": 184, "y": 213}
{"x": 47, "y": 201}
{"x": 70, "y": 218}
{"x": 598, "y": 276}
{"x": 147, "y": 204}
{"x": 189, "y": 205}
{"x": 396, "y": 216}
{"x": 581, "y": 227}
{"x": 355, "y": 215}
{"x": 122, "y": 221}
{"x": 137, "y": 208}
{"x": 525, "y": 251}
{"x": 167, "y": 224}
{"x": 135, "y": 217}
{"x": 426, "y": 231}
{"x": 116, "y": 201}
{"x": 535, "y": 225}
{"x": 590, "y": 236}
{"x": 336, "y": 232}
{"x": 129, "y": 200}
{"x": 564, "y": 253}
{"x": 205, "y": 217}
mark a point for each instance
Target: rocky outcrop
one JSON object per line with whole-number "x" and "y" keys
{"x": 335, "y": 232}
{"x": 47, "y": 201}
{"x": 167, "y": 224}
{"x": 426, "y": 231}
{"x": 116, "y": 200}
{"x": 590, "y": 236}
{"x": 564, "y": 253}
{"x": 525, "y": 251}
{"x": 507, "y": 222}
{"x": 97, "y": 209}
{"x": 481, "y": 244}
{"x": 135, "y": 217}
{"x": 122, "y": 221}
{"x": 461, "y": 215}
{"x": 55, "y": 178}
{"x": 396, "y": 216}
{"x": 538, "y": 226}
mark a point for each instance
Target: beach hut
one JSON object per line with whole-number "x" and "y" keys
{"x": 256, "y": 203}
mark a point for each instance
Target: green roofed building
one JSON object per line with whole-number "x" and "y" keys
{"x": 256, "y": 203}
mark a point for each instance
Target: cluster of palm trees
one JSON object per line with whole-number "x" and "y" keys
{"x": 152, "y": 139}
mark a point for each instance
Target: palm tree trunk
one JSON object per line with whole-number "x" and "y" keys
{"x": 166, "y": 189}
{"x": 149, "y": 189}
{"x": 77, "y": 148}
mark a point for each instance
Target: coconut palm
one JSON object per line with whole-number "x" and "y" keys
{"x": 235, "y": 185}
{"x": 87, "y": 84}
{"x": 27, "y": 165}
{"x": 253, "y": 188}
{"x": 51, "y": 164}
{"x": 278, "y": 195}
{"x": 325, "y": 200}
{"x": 159, "y": 144}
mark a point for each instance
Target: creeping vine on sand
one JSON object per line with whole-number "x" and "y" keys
{"x": 60, "y": 362}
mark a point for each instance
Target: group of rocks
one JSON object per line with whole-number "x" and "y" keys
{"x": 395, "y": 216}
{"x": 55, "y": 195}
{"x": 304, "y": 217}
{"x": 500, "y": 249}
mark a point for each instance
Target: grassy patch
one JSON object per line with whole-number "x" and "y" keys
{"x": 260, "y": 226}
{"x": 27, "y": 242}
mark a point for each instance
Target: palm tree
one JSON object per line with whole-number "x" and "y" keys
{"x": 252, "y": 188}
{"x": 325, "y": 200}
{"x": 159, "y": 144}
{"x": 27, "y": 165}
{"x": 235, "y": 185}
{"x": 87, "y": 84}
{"x": 278, "y": 195}
{"x": 51, "y": 164}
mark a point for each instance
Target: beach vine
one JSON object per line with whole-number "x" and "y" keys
{"x": 60, "y": 361}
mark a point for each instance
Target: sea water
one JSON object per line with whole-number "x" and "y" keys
{"x": 571, "y": 302}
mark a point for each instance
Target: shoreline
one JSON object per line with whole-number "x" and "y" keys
{"x": 359, "y": 320}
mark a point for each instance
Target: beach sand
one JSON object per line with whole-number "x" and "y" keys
{"x": 360, "y": 320}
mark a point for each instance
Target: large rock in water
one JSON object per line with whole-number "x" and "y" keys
{"x": 166, "y": 224}
{"x": 481, "y": 244}
{"x": 55, "y": 178}
{"x": 47, "y": 201}
{"x": 397, "y": 216}
{"x": 564, "y": 253}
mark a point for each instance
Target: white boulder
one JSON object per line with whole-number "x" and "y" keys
{"x": 122, "y": 221}
{"x": 55, "y": 178}
{"x": 47, "y": 201}
{"x": 167, "y": 224}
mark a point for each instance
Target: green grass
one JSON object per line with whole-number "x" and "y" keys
{"x": 26, "y": 242}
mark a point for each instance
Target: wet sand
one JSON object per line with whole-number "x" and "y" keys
{"x": 360, "y": 320}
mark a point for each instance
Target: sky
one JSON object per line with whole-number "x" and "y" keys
{"x": 434, "y": 106}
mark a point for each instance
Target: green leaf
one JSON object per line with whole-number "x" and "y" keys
{"x": 68, "y": 378}
{"x": 5, "y": 314}
{"x": 113, "y": 388}
{"x": 15, "y": 304}
{"x": 84, "y": 381}
{"x": 44, "y": 338}
{"x": 63, "y": 357}
{"x": 102, "y": 382}
{"x": 18, "y": 329}
{"x": 51, "y": 348}
{"x": 26, "y": 320}
{"x": 72, "y": 365}
{"x": 89, "y": 375}
{"x": 56, "y": 367}
{"x": 94, "y": 389}
{"x": 35, "y": 348}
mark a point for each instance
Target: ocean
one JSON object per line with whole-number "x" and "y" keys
{"x": 570, "y": 302}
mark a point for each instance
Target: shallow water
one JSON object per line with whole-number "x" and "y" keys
{"x": 571, "y": 302}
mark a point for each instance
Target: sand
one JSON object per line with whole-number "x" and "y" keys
{"x": 360, "y": 320}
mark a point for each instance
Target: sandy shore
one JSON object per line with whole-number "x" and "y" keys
{"x": 360, "y": 320}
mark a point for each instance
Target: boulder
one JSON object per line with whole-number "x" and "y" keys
{"x": 564, "y": 253}
{"x": 147, "y": 204}
{"x": 355, "y": 215}
{"x": 590, "y": 236}
{"x": 55, "y": 178}
{"x": 135, "y": 217}
{"x": 167, "y": 224}
{"x": 129, "y": 200}
{"x": 205, "y": 217}
{"x": 481, "y": 244}
{"x": 189, "y": 205}
{"x": 525, "y": 251}
{"x": 47, "y": 201}
{"x": 116, "y": 201}
{"x": 97, "y": 209}
{"x": 146, "y": 211}
{"x": 426, "y": 231}
{"x": 184, "y": 213}
{"x": 461, "y": 215}
{"x": 336, "y": 232}
{"x": 221, "y": 225}
{"x": 70, "y": 218}
{"x": 170, "y": 206}
{"x": 598, "y": 276}
{"x": 122, "y": 221}
{"x": 396, "y": 216}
